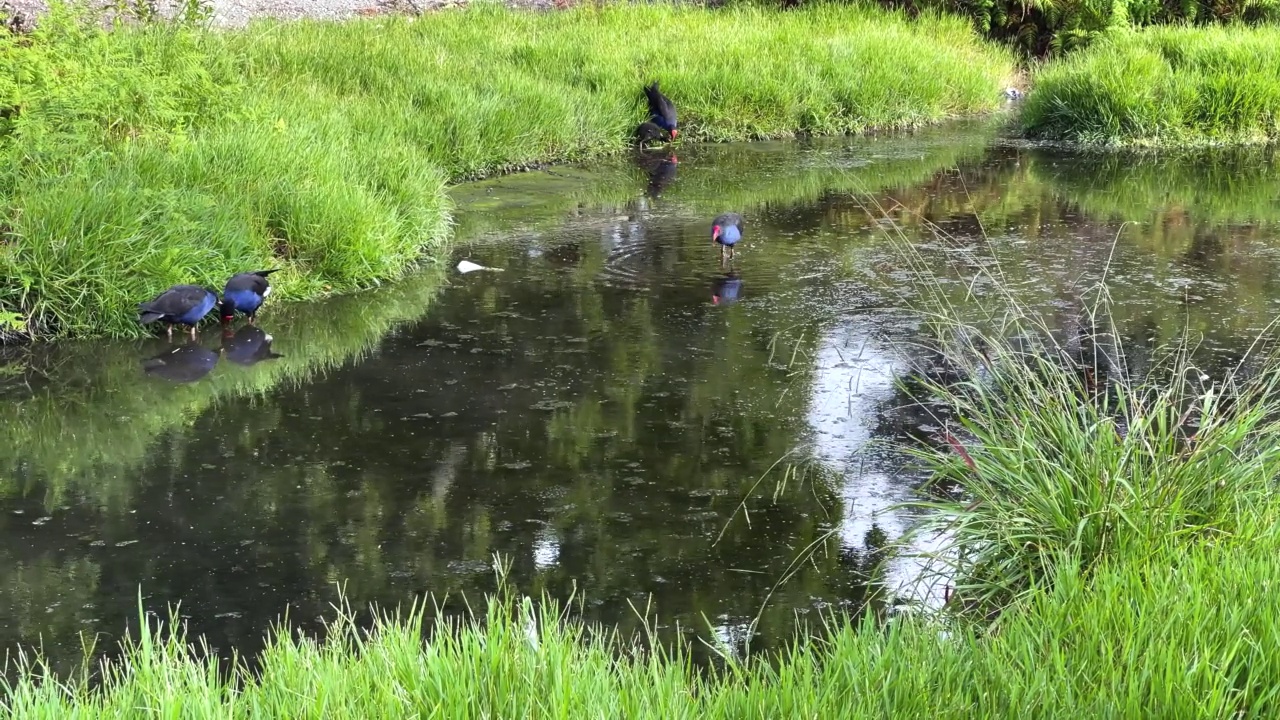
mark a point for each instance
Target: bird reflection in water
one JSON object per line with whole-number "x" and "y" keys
{"x": 249, "y": 345}
{"x": 726, "y": 289}
{"x": 661, "y": 169}
{"x": 183, "y": 364}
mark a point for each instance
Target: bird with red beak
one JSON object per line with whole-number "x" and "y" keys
{"x": 726, "y": 232}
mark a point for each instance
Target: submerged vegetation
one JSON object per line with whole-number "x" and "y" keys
{"x": 1163, "y": 87}
{"x": 146, "y": 156}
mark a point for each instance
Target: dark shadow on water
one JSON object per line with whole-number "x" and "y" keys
{"x": 249, "y": 345}
{"x": 595, "y": 412}
{"x": 182, "y": 364}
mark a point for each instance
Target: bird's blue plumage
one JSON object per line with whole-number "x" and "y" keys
{"x": 246, "y": 301}
{"x": 193, "y": 316}
{"x": 729, "y": 235}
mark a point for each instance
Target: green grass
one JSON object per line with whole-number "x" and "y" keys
{"x": 1163, "y": 87}
{"x": 147, "y": 156}
{"x": 1187, "y": 632}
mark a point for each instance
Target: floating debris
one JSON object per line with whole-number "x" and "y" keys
{"x": 466, "y": 266}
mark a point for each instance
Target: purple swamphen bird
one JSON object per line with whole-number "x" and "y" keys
{"x": 650, "y": 132}
{"x": 662, "y": 112}
{"x": 725, "y": 232}
{"x": 244, "y": 293}
{"x": 179, "y": 305}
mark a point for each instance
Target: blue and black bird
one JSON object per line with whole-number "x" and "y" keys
{"x": 725, "y": 232}
{"x": 244, "y": 293}
{"x": 179, "y": 305}
{"x": 662, "y": 112}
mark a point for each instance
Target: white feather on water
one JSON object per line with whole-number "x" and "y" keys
{"x": 467, "y": 266}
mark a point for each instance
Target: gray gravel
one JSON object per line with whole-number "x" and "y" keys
{"x": 236, "y": 13}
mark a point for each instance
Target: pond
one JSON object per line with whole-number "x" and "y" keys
{"x": 620, "y": 416}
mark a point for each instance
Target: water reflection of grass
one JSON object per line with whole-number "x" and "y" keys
{"x": 95, "y": 416}
{"x": 1210, "y": 187}
{"x": 711, "y": 179}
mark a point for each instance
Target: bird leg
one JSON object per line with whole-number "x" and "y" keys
{"x": 193, "y": 332}
{"x": 252, "y": 318}
{"x": 169, "y": 329}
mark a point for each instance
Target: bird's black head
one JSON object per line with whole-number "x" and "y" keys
{"x": 228, "y": 310}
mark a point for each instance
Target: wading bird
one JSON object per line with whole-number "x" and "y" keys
{"x": 244, "y": 293}
{"x": 662, "y": 112}
{"x": 179, "y": 305}
{"x": 725, "y": 232}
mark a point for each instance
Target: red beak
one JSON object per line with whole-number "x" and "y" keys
{"x": 715, "y": 299}
{"x": 715, "y": 233}
{"x": 674, "y": 133}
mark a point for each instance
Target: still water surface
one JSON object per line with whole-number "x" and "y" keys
{"x": 620, "y": 416}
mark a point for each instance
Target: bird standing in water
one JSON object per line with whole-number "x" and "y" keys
{"x": 662, "y": 112}
{"x": 179, "y": 305}
{"x": 725, "y": 232}
{"x": 244, "y": 293}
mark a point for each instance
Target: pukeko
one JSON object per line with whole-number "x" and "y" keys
{"x": 247, "y": 346}
{"x": 244, "y": 293}
{"x": 725, "y": 232}
{"x": 650, "y": 132}
{"x": 179, "y": 305}
{"x": 662, "y": 112}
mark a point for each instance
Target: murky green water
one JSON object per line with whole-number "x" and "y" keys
{"x": 616, "y": 413}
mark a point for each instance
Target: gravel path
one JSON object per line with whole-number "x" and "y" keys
{"x": 236, "y": 13}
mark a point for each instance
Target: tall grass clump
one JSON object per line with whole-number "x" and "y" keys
{"x": 159, "y": 153}
{"x": 1063, "y": 447}
{"x": 1163, "y": 87}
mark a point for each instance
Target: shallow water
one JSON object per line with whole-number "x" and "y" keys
{"x": 621, "y": 417}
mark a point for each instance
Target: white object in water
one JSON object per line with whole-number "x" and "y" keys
{"x": 467, "y": 266}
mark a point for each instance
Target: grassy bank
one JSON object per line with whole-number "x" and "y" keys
{"x": 1163, "y": 87}
{"x": 147, "y": 156}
